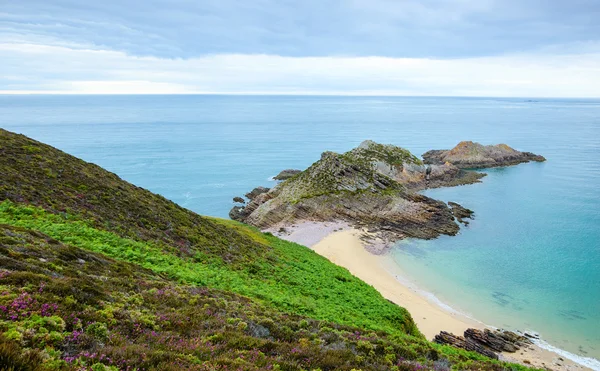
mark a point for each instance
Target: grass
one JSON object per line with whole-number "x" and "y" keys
{"x": 297, "y": 280}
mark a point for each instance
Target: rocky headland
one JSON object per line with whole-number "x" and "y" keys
{"x": 471, "y": 155}
{"x": 373, "y": 186}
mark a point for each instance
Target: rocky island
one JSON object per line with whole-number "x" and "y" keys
{"x": 470, "y": 155}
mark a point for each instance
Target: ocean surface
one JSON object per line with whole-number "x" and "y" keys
{"x": 531, "y": 258}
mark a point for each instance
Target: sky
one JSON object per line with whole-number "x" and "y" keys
{"x": 521, "y": 48}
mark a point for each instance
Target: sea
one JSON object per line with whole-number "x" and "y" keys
{"x": 530, "y": 260}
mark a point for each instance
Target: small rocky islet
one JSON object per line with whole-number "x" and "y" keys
{"x": 470, "y": 155}
{"x": 375, "y": 186}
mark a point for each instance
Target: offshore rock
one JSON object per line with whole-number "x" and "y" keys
{"x": 239, "y": 200}
{"x": 470, "y": 155}
{"x": 286, "y": 174}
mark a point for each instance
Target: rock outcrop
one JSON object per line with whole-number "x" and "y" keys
{"x": 461, "y": 213}
{"x": 257, "y": 192}
{"x": 470, "y": 155}
{"x": 372, "y": 185}
{"x": 286, "y": 174}
{"x": 486, "y": 342}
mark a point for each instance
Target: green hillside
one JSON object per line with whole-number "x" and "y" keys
{"x": 98, "y": 273}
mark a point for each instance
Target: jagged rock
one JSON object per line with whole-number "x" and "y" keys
{"x": 237, "y": 213}
{"x": 491, "y": 340}
{"x": 286, "y": 174}
{"x": 460, "y": 342}
{"x": 470, "y": 155}
{"x": 239, "y": 200}
{"x": 461, "y": 213}
{"x": 257, "y": 191}
{"x": 485, "y": 342}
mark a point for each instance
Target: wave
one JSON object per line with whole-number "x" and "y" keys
{"x": 589, "y": 362}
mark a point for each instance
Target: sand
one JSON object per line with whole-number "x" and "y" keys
{"x": 343, "y": 246}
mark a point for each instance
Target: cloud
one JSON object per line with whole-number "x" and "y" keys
{"x": 411, "y": 47}
{"x": 30, "y": 68}
{"x": 392, "y": 28}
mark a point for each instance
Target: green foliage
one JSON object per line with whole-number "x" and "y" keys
{"x": 297, "y": 280}
{"x": 97, "y": 330}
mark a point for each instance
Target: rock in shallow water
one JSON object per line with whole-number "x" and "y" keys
{"x": 461, "y": 213}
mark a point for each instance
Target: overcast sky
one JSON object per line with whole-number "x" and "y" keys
{"x": 526, "y": 48}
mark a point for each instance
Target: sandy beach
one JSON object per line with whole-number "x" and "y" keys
{"x": 344, "y": 246}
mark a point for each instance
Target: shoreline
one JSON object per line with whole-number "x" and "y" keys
{"x": 346, "y": 246}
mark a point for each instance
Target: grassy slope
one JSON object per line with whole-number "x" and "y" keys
{"x": 88, "y": 209}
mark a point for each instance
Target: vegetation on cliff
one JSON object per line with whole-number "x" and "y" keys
{"x": 98, "y": 274}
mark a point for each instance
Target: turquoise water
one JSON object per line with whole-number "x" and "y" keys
{"x": 530, "y": 259}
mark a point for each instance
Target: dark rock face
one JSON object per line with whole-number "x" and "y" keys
{"x": 463, "y": 343}
{"x": 461, "y": 213}
{"x": 470, "y": 155}
{"x": 257, "y": 191}
{"x": 486, "y": 342}
{"x": 286, "y": 174}
{"x": 239, "y": 200}
{"x": 237, "y": 213}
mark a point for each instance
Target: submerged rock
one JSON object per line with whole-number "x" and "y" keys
{"x": 470, "y": 155}
{"x": 286, "y": 174}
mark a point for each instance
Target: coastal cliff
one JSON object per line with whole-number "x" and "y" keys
{"x": 471, "y": 155}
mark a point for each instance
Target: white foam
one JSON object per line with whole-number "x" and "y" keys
{"x": 589, "y": 362}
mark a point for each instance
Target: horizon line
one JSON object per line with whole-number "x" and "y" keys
{"x": 274, "y": 94}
